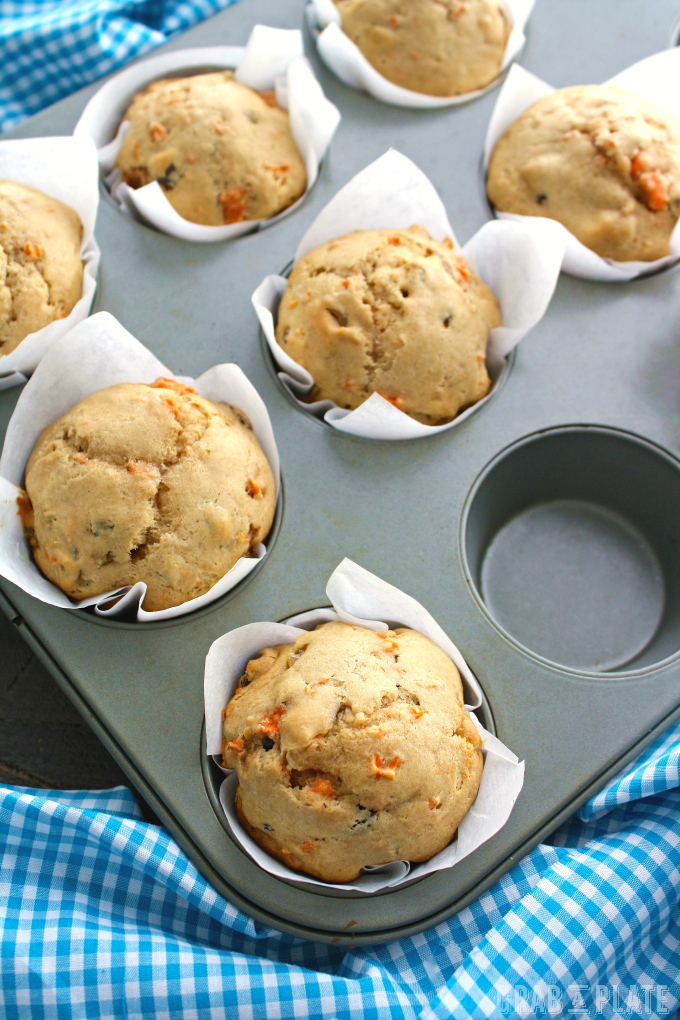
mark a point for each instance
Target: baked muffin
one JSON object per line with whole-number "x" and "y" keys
{"x": 438, "y": 47}
{"x": 602, "y": 161}
{"x": 352, "y": 748}
{"x": 390, "y": 312}
{"x": 221, "y": 152}
{"x": 41, "y": 273}
{"x": 146, "y": 483}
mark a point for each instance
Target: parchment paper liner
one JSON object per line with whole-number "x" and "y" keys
{"x": 347, "y": 61}
{"x": 65, "y": 169}
{"x": 657, "y": 78}
{"x": 99, "y": 353}
{"x": 273, "y": 59}
{"x": 360, "y": 597}
{"x": 520, "y": 262}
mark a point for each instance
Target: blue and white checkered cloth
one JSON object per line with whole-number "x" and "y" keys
{"x": 51, "y": 48}
{"x": 102, "y": 915}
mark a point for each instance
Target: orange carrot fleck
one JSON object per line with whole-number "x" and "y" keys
{"x": 657, "y": 194}
{"x": 238, "y": 745}
{"x": 395, "y": 401}
{"x": 32, "y": 250}
{"x": 253, "y": 489}
{"x": 158, "y": 133}
{"x": 172, "y": 384}
{"x": 80, "y": 458}
{"x": 269, "y": 724}
{"x": 345, "y": 284}
{"x": 233, "y": 205}
{"x": 386, "y": 771}
{"x": 278, "y": 169}
{"x": 418, "y": 713}
{"x": 394, "y": 240}
{"x": 640, "y": 162}
{"x": 307, "y": 847}
{"x": 25, "y": 510}
{"x": 323, "y": 788}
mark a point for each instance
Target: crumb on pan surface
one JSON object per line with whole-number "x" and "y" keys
{"x": 41, "y": 272}
{"x": 603, "y": 161}
{"x": 390, "y": 312}
{"x": 146, "y": 483}
{"x": 352, "y": 748}
{"x": 221, "y": 152}
{"x": 436, "y": 47}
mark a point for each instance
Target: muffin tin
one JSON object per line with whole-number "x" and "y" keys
{"x": 578, "y": 450}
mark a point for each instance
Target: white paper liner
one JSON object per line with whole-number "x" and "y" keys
{"x": 520, "y": 262}
{"x": 65, "y": 169}
{"x": 96, "y": 354}
{"x": 273, "y": 59}
{"x": 656, "y": 78}
{"x": 360, "y": 597}
{"x": 347, "y": 61}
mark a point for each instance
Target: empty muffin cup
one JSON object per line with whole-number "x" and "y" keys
{"x": 571, "y": 541}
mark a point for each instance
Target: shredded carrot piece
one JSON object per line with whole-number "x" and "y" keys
{"x": 345, "y": 284}
{"x": 655, "y": 188}
{"x": 158, "y": 132}
{"x": 238, "y": 745}
{"x": 233, "y": 205}
{"x": 640, "y": 162}
{"x": 418, "y": 714}
{"x": 395, "y": 401}
{"x": 464, "y": 271}
{"x": 172, "y": 384}
{"x": 32, "y": 250}
{"x": 386, "y": 771}
{"x": 323, "y": 788}
{"x": 25, "y": 510}
{"x": 307, "y": 847}
{"x": 394, "y": 240}
{"x": 278, "y": 169}
{"x": 253, "y": 489}
{"x": 269, "y": 724}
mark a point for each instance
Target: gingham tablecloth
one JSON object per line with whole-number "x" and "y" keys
{"x": 102, "y": 915}
{"x": 50, "y": 48}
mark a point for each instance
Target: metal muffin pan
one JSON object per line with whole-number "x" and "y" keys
{"x": 599, "y": 376}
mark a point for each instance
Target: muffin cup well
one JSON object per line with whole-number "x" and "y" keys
{"x": 361, "y": 598}
{"x": 65, "y": 169}
{"x": 347, "y": 61}
{"x": 273, "y": 59}
{"x": 520, "y": 262}
{"x": 656, "y": 78}
{"x": 96, "y": 354}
